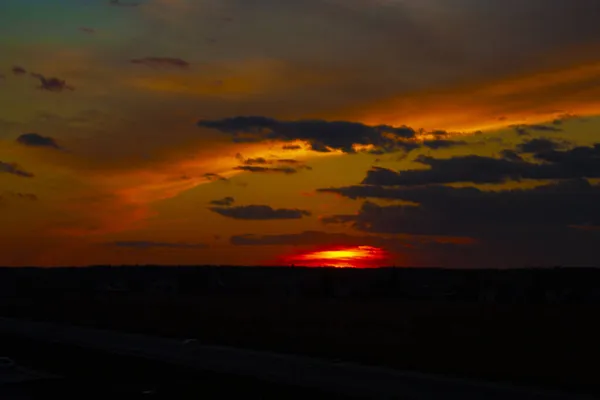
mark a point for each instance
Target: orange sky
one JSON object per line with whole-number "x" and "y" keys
{"x": 135, "y": 150}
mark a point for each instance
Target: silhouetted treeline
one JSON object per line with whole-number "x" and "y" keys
{"x": 532, "y": 285}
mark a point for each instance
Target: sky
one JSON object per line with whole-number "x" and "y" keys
{"x": 454, "y": 133}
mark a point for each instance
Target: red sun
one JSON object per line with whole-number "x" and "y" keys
{"x": 340, "y": 257}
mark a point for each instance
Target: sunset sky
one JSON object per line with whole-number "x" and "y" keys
{"x": 252, "y": 132}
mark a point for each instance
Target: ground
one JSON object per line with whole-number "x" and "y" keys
{"x": 541, "y": 345}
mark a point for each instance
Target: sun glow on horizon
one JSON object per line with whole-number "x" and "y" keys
{"x": 341, "y": 257}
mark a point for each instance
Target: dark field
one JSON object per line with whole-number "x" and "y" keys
{"x": 88, "y": 374}
{"x": 540, "y": 345}
{"x": 532, "y": 327}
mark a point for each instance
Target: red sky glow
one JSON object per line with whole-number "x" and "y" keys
{"x": 341, "y": 257}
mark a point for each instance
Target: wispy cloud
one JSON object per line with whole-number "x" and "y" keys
{"x": 226, "y": 201}
{"x": 121, "y": 3}
{"x": 158, "y": 62}
{"x": 17, "y": 70}
{"x": 266, "y": 170}
{"x": 214, "y": 177}
{"x": 52, "y": 84}
{"x": 87, "y": 30}
{"x": 144, "y": 245}
{"x": 14, "y": 169}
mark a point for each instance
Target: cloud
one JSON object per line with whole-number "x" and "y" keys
{"x": 158, "y": 62}
{"x": 540, "y": 145}
{"x": 226, "y": 201}
{"x": 260, "y": 212}
{"x": 214, "y": 177}
{"x": 14, "y": 169}
{"x": 256, "y": 169}
{"x": 471, "y": 65}
{"x": 154, "y": 245}
{"x": 468, "y": 211}
{"x": 322, "y": 136}
{"x": 512, "y": 155}
{"x": 265, "y": 161}
{"x": 87, "y": 30}
{"x": 443, "y": 143}
{"x": 258, "y": 165}
{"x": 255, "y": 161}
{"x": 525, "y": 130}
{"x": 52, "y": 84}
{"x": 288, "y": 161}
{"x": 120, "y": 3}
{"x": 17, "y": 70}
{"x": 577, "y": 162}
{"x": 471, "y": 168}
{"x": 536, "y": 97}
{"x": 37, "y": 140}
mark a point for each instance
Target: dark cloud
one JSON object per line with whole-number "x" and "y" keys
{"x": 511, "y": 155}
{"x": 151, "y": 245}
{"x": 443, "y": 143}
{"x": 521, "y": 131}
{"x": 540, "y": 145}
{"x": 226, "y": 201}
{"x": 322, "y": 136}
{"x": 87, "y": 30}
{"x": 257, "y": 161}
{"x": 468, "y": 211}
{"x": 291, "y": 147}
{"x": 37, "y": 140}
{"x": 161, "y": 62}
{"x": 554, "y": 223}
{"x": 525, "y": 130}
{"x": 14, "y": 169}
{"x": 257, "y": 169}
{"x": 120, "y": 3}
{"x": 260, "y": 212}
{"x": 439, "y": 133}
{"x": 17, "y": 70}
{"x": 214, "y": 177}
{"x": 259, "y": 165}
{"x": 472, "y": 168}
{"x": 288, "y": 161}
{"x": 52, "y": 84}
{"x": 577, "y": 162}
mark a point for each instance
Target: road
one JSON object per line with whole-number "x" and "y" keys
{"x": 342, "y": 379}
